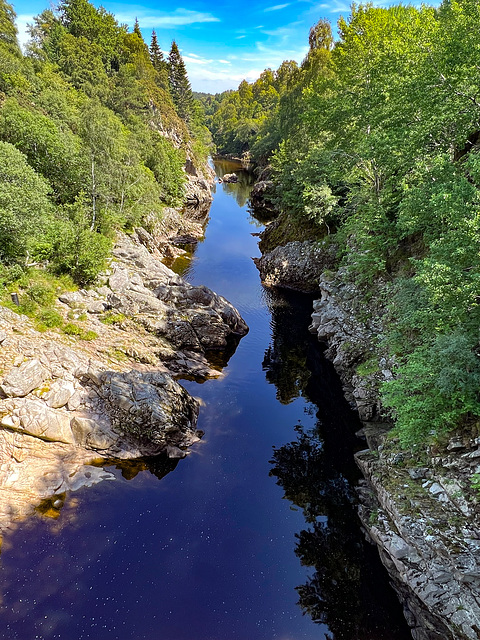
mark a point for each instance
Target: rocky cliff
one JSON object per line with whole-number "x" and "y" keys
{"x": 421, "y": 511}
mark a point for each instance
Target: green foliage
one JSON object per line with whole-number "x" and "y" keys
{"x": 51, "y": 318}
{"x": 51, "y": 150}
{"x": 475, "y": 482}
{"x": 71, "y": 329}
{"x": 179, "y": 84}
{"x": 25, "y": 209}
{"x": 79, "y": 250}
{"x": 112, "y": 318}
{"x": 435, "y": 389}
{"x": 375, "y": 141}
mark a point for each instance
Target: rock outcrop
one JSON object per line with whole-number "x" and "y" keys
{"x": 67, "y": 403}
{"x": 261, "y": 200}
{"x": 424, "y": 520}
{"x": 229, "y": 177}
{"x": 296, "y": 265}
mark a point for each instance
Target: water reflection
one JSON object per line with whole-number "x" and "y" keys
{"x": 240, "y": 190}
{"x": 317, "y": 473}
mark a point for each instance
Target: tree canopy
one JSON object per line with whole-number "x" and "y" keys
{"x": 87, "y": 121}
{"x": 376, "y": 138}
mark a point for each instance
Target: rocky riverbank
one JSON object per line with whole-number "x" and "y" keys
{"x": 421, "y": 511}
{"x": 67, "y": 403}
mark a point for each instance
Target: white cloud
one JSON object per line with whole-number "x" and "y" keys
{"x": 283, "y": 32}
{"x": 332, "y": 7}
{"x": 277, "y": 7}
{"x": 22, "y": 21}
{"x": 162, "y": 20}
{"x": 240, "y": 37}
{"x": 212, "y": 80}
{"x": 224, "y": 61}
{"x": 192, "y": 59}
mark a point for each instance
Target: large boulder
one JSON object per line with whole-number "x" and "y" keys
{"x": 230, "y": 177}
{"x": 296, "y": 265}
{"x": 19, "y": 381}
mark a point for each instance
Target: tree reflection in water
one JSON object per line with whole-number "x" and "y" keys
{"x": 348, "y": 589}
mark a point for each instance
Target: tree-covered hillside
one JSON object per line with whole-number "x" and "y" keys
{"x": 375, "y": 138}
{"x": 95, "y": 128}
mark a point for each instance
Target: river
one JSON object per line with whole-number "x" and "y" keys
{"x": 252, "y": 537}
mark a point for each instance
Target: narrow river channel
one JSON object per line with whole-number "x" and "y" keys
{"x": 253, "y": 536}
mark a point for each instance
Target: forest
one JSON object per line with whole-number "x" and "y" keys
{"x": 372, "y": 143}
{"x": 95, "y": 128}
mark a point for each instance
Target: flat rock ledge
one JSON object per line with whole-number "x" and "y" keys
{"x": 62, "y": 410}
{"x": 69, "y": 405}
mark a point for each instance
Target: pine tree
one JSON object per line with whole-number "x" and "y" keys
{"x": 180, "y": 85}
{"x": 136, "y": 29}
{"x": 156, "y": 55}
{"x": 159, "y": 63}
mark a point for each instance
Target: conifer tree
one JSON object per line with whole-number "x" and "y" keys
{"x": 156, "y": 55}
{"x": 136, "y": 29}
{"x": 159, "y": 63}
{"x": 180, "y": 85}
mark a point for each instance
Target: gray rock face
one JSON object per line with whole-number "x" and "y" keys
{"x": 261, "y": 199}
{"x": 192, "y": 318}
{"x": 428, "y": 540}
{"x": 350, "y": 342}
{"x": 229, "y": 177}
{"x": 297, "y": 265}
{"x": 21, "y": 380}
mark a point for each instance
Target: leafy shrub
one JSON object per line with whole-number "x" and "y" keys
{"x": 435, "y": 390}
{"x": 51, "y": 318}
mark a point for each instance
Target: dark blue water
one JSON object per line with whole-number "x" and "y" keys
{"x": 258, "y": 519}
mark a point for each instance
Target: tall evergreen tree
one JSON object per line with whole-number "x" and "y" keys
{"x": 180, "y": 85}
{"x": 159, "y": 63}
{"x": 136, "y": 29}
{"x": 156, "y": 55}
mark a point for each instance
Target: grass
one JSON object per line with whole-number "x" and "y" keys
{"x": 37, "y": 291}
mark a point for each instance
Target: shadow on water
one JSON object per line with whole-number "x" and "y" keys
{"x": 348, "y": 589}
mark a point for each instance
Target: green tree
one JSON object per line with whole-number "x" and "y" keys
{"x": 159, "y": 63}
{"x": 179, "y": 84}
{"x": 8, "y": 30}
{"x": 25, "y": 209}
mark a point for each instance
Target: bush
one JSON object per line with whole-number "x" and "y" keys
{"x": 436, "y": 389}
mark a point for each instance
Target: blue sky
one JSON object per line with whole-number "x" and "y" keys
{"x": 221, "y": 42}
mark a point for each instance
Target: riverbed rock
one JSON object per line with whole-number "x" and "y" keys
{"x": 261, "y": 202}
{"x": 230, "y": 177}
{"x": 296, "y": 265}
{"x": 191, "y": 318}
{"x": 20, "y": 380}
{"x": 428, "y": 541}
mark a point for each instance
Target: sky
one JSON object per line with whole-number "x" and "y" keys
{"x": 222, "y": 43}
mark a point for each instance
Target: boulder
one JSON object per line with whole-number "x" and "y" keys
{"x": 296, "y": 265}
{"x": 230, "y": 177}
{"x": 59, "y": 394}
{"x": 19, "y": 381}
